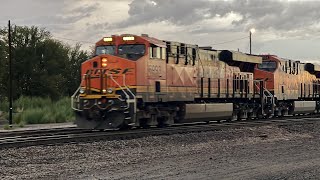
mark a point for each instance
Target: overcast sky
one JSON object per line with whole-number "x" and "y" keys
{"x": 287, "y": 28}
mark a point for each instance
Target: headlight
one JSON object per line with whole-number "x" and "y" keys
{"x": 82, "y": 90}
{"x": 128, "y": 38}
{"x": 104, "y": 62}
{"x": 107, "y": 39}
{"x": 110, "y": 90}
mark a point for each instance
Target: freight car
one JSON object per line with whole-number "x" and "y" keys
{"x": 142, "y": 81}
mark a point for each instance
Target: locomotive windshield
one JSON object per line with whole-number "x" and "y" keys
{"x": 105, "y": 50}
{"x": 268, "y": 66}
{"x": 131, "y": 51}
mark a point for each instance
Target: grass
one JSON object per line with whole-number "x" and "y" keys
{"x": 6, "y": 127}
{"x": 36, "y": 110}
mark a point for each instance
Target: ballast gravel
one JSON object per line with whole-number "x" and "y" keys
{"x": 267, "y": 152}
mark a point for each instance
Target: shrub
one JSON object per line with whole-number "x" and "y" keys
{"x": 4, "y": 105}
{"x": 31, "y": 103}
{"x": 32, "y": 116}
{"x": 7, "y": 127}
{"x": 16, "y": 117}
{"x": 38, "y": 110}
{"x": 21, "y": 124}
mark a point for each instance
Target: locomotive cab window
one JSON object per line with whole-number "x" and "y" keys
{"x": 131, "y": 51}
{"x": 153, "y": 52}
{"x": 156, "y": 52}
{"x": 269, "y": 66}
{"x": 105, "y": 50}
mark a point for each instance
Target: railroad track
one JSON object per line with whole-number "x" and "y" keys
{"x": 49, "y": 131}
{"x": 74, "y": 135}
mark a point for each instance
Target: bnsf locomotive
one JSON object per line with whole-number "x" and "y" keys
{"x": 142, "y": 81}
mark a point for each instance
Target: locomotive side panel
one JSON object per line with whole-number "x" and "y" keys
{"x": 286, "y": 79}
{"x": 181, "y": 71}
{"x": 293, "y": 81}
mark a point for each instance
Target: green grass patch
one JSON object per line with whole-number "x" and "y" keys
{"x": 4, "y": 105}
{"x": 7, "y": 127}
{"x": 37, "y": 110}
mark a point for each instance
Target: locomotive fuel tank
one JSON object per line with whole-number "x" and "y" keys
{"x": 304, "y": 107}
{"x": 208, "y": 112}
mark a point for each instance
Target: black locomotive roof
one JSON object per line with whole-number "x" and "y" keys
{"x": 227, "y": 56}
{"x": 312, "y": 68}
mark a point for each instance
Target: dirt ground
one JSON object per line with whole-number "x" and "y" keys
{"x": 268, "y": 152}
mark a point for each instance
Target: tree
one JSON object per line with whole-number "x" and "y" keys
{"x": 42, "y": 66}
{"x": 73, "y": 71}
{"x": 3, "y": 67}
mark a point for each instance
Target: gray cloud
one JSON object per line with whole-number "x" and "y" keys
{"x": 279, "y": 23}
{"x": 178, "y": 12}
{"x": 262, "y": 14}
{"x": 46, "y": 13}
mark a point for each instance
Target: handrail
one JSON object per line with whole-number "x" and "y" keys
{"x": 76, "y": 92}
{"x": 266, "y": 92}
{"x": 124, "y": 83}
{"x": 127, "y": 96}
{"x": 134, "y": 97}
{"x": 72, "y": 99}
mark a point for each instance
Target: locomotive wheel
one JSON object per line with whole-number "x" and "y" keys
{"x": 125, "y": 127}
{"x": 162, "y": 122}
{"x": 144, "y": 123}
{"x": 114, "y": 120}
{"x": 83, "y": 122}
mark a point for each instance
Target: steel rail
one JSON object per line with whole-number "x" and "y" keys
{"x": 32, "y": 132}
{"x": 90, "y": 136}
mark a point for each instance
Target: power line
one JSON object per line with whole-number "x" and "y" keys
{"x": 88, "y": 42}
{"x": 230, "y": 41}
{"x": 80, "y": 41}
{"x": 91, "y": 43}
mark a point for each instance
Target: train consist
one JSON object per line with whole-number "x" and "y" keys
{"x": 142, "y": 81}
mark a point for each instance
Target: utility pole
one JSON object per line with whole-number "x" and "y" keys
{"x": 250, "y": 34}
{"x": 10, "y": 75}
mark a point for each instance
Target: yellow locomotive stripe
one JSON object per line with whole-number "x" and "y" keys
{"x": 170, "y": 89}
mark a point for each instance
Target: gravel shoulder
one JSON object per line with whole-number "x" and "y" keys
{"x": 268, "y": 152}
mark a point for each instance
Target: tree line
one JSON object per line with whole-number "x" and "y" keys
{"x": 42, "y": 66}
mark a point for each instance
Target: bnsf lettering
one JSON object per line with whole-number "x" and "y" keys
{"x": 114, "y": 71}
{"x": 128, "y": 70}
{"x": 109, "y": 71}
